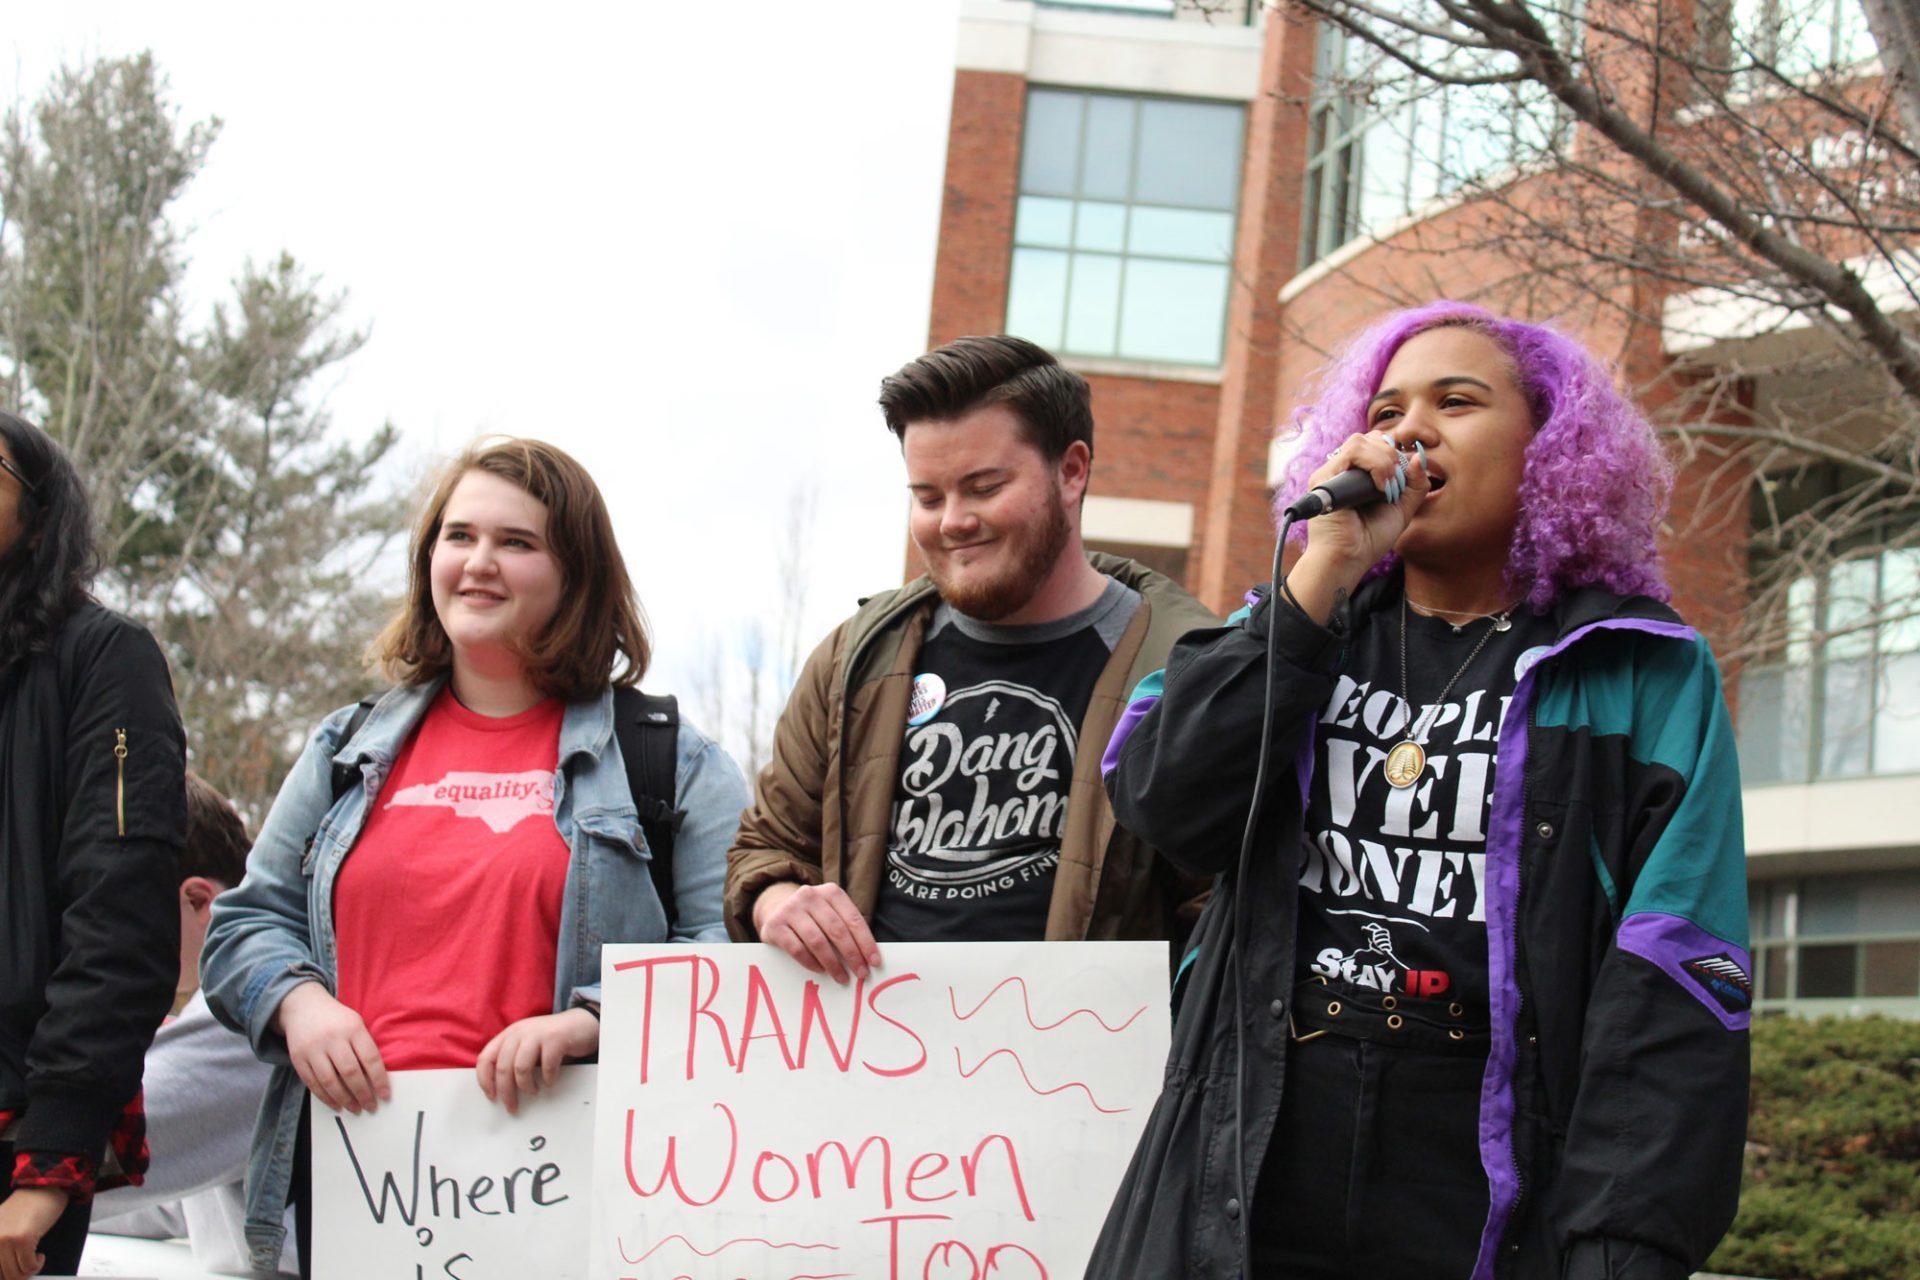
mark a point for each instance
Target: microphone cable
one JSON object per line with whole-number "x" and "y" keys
{"x": 1236, "y": 952}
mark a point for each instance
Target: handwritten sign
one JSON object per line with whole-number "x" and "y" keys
{"x": 440, "y": 1184}
{"x": 967, "y": 1112}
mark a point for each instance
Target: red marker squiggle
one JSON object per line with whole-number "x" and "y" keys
{"x": 1026, "y": 1000}
{"x": 1071, "y": 1084}
{"x": 708, "y": 1253}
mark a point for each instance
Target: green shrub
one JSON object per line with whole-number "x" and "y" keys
{"x": 1832, "y": 1183}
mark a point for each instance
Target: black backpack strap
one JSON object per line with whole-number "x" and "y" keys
{"x": 345, "y": 775}
{"x": 647, "y": 727}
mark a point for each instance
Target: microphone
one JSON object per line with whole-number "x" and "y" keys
{"x": 1348, "y": 489}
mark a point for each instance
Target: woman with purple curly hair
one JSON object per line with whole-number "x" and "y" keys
{"x": 1471, "y": 996}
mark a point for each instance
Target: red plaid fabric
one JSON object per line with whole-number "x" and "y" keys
{"x": 80, "y": 1176}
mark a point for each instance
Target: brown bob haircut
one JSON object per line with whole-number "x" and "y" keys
{"x": 599, "y": 621}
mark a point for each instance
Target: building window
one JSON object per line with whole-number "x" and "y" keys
{"x": 1243, "y": 12}
{"x": 1800, "y": 37}
{"x": 1848, "y": 938}
{"x": 1382, "y": 143}
{"x": 1123, "y": 238}
{"x": 1836, "y": 690}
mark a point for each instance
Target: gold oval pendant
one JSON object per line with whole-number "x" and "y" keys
{"x": 1405, "y": 764}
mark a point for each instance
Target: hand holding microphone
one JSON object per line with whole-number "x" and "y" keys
{"x": 1366, "y": 494}
{"x": 1359, "y": 485}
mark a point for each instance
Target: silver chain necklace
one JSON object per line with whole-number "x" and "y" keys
{"x": 1407, "y": 761}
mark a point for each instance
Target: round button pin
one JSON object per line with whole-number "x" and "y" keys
{"x": 929, "y": 695}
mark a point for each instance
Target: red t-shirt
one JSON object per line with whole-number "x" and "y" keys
{"x": 447, "y": 909}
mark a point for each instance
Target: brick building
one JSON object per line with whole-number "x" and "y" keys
{"x": 1176, "y": 203}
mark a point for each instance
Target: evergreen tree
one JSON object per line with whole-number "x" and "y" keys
{"x": 233, "y": 519}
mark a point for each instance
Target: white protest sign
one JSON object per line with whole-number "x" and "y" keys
{"x": 967, "y": 1112}
{"x": 440, "y": 1184}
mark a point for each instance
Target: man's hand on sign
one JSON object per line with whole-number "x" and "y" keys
{"x": 25, "y": 1216}
{"x": 527, "y": 1055}
{"x": 332, "y": 1050}
{"x": 818, "y": 925}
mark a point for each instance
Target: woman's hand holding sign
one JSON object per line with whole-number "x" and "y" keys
{"x": 332, "y": 1050}
{"x": 526, "y": 1056}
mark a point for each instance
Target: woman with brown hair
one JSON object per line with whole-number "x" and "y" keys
{"x": 487, "y": 797}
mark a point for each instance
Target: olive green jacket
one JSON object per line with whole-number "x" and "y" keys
{"x": 822, "y": 806}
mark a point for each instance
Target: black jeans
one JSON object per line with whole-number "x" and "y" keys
{"x": 65, "y": 1239}
{"x": 1374, "y": 1168}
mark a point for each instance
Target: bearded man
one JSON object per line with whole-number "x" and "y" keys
{"x": 935, "y": 776}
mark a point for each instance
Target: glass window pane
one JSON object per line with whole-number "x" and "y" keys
{"x": 1181, "y": 233}
{"x": 1775, "y": 705}
{"x": 1311, "y": 245}
{"x": 1827, "y": 972}
{"x": 1829, "y": 906}
{"x": 1852, "y": 39}
{"x": 1757, "y": 911}
{"x": 1890, "y": 969}
{"x": 1479, "y": 130}
{"x": 1189, "y": 154}
{"x": 1805, "y": 37}
{"x": 1338, "y": 228}
{"x": 1174, "y": 311}
{"x": 1844, "y": 720}
{"x": 1802, "y": 599}
{"x": 1385, "y": 153}
{"x": 1850, "y": 608}
{"x": 1037, "y": 295}
{"x": 1778, "y": 901}
{"x": 1043, "y": 220}
{"x": 1093, "y": 304}
{"x": 1889, "y": 902}
{"x": 1050, "y": 152}
{"x": 1773, "y": 974}
{"x": 1896, "y": 721}
{"x": 1322, "y": 132}
{"x": 1100, "y": 226}
{"x": 1428, "y": 115}
{"x": 1900, "y": 600}
{"x": 1109, "y": 151}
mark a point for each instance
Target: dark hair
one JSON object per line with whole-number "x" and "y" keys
{"x": 599, "y": 621}
{"x": 1052, "y": 403}
{"x": 45, "y": 575}
{"x": 217, "y": 841}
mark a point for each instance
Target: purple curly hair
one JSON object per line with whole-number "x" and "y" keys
{"x": 1595, "y": 484}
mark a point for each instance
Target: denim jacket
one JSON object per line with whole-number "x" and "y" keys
{"x": 275, "y": 930}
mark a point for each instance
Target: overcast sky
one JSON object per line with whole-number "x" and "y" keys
{"x": 683, "y": 241}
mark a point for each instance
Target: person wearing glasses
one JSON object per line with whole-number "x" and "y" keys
{"x": 92, "y": 822}
{"x": 1471, "y": 998}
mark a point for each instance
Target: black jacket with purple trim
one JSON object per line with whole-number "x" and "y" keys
{"x": 1614, "y": 1109}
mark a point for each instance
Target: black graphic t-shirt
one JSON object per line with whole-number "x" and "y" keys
{"x": 985, "y": 772}
{"x": 1391, "y": 878}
